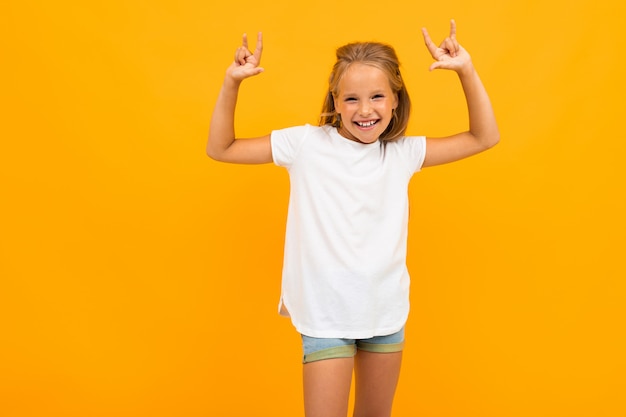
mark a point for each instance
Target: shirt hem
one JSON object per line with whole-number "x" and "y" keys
{"x": 349, "y": 334}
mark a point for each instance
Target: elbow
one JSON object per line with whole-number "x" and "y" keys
{"x": 213, "y": 151}
{"x": 214, "y": 154}
{"x": 494, "y": 140}
{"x": 495, "y": 135}
{"x": 210, "y": 153}
{"x": 216, "y": 149}
{"x": 486, "y": 141}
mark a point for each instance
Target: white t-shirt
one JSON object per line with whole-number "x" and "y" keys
{"x": 344, "y": 269}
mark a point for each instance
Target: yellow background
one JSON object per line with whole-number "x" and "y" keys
{"x": 140, "y": 278}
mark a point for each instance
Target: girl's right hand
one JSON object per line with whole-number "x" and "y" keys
{"x": 246, "y": 63}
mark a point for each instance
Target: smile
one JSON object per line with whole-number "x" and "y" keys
{"x": 367, "y": 124}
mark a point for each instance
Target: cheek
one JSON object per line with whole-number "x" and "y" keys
{"x": 386, "y": 108}
{"x": 337, "y": 105}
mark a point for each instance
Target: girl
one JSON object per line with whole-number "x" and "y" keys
{"x": 345, "y": 281}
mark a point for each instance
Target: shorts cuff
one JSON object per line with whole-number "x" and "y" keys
{"x": 381, "y": 348}
{"x": 346, "y": 351}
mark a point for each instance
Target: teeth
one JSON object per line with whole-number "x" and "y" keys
{"x": 366, "y": 124}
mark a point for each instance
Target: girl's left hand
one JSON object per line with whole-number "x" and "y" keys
{"x": 246, "y": 63}
{"x": 449, "y": 55}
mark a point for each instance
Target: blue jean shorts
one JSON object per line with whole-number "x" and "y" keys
{"x": 317, "y": 349}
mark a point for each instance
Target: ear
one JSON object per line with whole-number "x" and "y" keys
{"x": 395, "y": 101}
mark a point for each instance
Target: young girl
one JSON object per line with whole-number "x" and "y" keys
{"x": 345, "y": 281}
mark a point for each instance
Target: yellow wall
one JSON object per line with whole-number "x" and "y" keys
{"x": 140, "y": 278}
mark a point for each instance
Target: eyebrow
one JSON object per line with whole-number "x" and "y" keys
{"x": 351, "y": 94}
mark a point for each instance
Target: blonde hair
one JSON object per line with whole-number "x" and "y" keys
{"x": 378, "y": 55}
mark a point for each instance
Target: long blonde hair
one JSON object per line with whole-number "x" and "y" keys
{"x": 383, "y": 57}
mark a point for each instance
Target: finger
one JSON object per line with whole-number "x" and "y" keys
{"x": 241, "y": 55}
{"x": 259, "y": 42}
{"x": 455, "y": 50}
{"x": 242, "y": 52}
{"x": 432, "y": 48}
{"x": 439, "y": 65}
{"x": 258, "y": 70}
{"x": 450, "y": 45}
{"x": 259, "y": 46}
{"x": 452, "y": 29}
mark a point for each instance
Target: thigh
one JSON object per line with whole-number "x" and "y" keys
{"x": 377, "y": 370}
{"x": 327, "y": 387}
{"x": 376, "y": 377}
{"x": 327, "y": 375}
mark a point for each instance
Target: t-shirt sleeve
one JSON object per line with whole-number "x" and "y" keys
{"x": 415, "y": 151}
{"x": 286, "y": 144}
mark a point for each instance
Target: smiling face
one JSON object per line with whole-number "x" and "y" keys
{"x": 365, "y": 102}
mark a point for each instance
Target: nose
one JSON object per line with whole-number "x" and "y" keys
{"x": 365, "y": 108}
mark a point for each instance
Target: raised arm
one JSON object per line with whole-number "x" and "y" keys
{"x": 222, "y": 144}
{"x": 483, "y": 130}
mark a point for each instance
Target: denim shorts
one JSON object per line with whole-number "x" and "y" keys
{"x": 317, "y": 349}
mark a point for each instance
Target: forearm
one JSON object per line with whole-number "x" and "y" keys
{"x": 482, "y": 121}
{"x": 222, "y": 128}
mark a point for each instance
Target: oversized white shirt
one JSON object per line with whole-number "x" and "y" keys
{"x": 344, "y": 268}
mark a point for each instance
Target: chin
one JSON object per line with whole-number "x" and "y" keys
{"x": 369, "y": 141}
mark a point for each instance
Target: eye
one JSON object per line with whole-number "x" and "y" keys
{"x": 378, "y": 97}
{"x": 348, "y": 99}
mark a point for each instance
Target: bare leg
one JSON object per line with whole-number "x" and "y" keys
{"x": 376, "y": 376}
{"x": 327, "y": 387}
